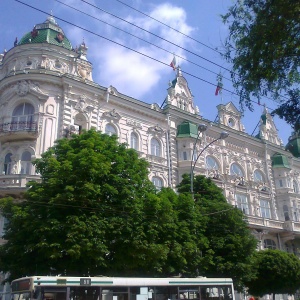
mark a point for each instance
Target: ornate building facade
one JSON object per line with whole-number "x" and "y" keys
{"x": 47, "y": 92}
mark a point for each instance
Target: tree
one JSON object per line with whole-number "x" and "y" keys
{"x": 276, "y": 272}
{"x": 264, "y": 48}
{"x": 230, "y": 243}
{"x": 85, "y": 216}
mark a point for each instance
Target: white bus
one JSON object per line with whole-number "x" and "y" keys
{"x": 121, "y": 288}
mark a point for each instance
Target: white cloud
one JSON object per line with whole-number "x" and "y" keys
{"x": 130, "y": 72}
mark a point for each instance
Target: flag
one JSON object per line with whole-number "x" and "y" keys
{"x": 218, "y": 89}
{"x": 173, "y": 63}
{"x": 219, "y": 85}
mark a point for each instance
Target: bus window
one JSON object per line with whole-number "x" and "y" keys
{"x": 115, "y": 293}
{"x": 84, "y": 293}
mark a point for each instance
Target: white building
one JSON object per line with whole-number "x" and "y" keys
{"x": 47, "y": 91}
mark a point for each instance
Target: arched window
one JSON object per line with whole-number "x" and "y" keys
{"x": 158, "y": 183}
{"x": 269, "y": 244}
{"x": 22, "y": 117}
{"x": 110, "y": 129}
{"x": 80, "y": 123}
{"x": 134, "y": 141}
{"x": 155, "y": 147}
{"x": 7, "y": 164}
{"x": 258, "y": 176}
{"x": 211, "y": 163}
{"x": 26, "y": 162}
{"x": 235, "y": 169}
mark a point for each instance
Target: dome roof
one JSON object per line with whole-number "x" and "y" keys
{"x": 187, "y": 129}
{"x": 293, "y": 145}
{"x": 47, "y": 32}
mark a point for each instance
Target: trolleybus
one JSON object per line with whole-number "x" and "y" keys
{"x": 121, "y": 288}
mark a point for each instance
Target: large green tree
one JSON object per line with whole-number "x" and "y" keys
{"x": 276, "y": 272}
{"x": 264, "y": 48}
{"x": 87, "y": 215}
{"x": 230, "y": 243}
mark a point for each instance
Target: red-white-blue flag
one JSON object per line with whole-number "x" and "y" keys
{"x": 173, "y": 63}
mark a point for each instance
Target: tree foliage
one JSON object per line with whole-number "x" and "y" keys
{"x": 276, "y": 272}
{"x": 86, "y": 216}
{"x": 96, "y": 212}
{"x": 230, "y": 243}
{"x": 264, "y": 48}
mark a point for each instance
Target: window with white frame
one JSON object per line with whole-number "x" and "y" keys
{"x": 155, "y": 147}
{"x": 235, "y": 169}
{"x": 269, "y": 244}
{"x": 23, "y": 117}
{"x": 242, "y": 203}
{"x": 110, "y": 129}
{"x": 265, "y": 210}
{"x": 25, "y": 163}
{"x": 7, "y": 168}
{"x": 211, "y": 163}
{"x": 158, "y": 183}
{"x": 134, "y": 141}
{"x": 258, "y": 176}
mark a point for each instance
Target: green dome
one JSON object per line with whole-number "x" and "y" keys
{"x": 47, "y": 32}
{"x": 294, "y": 146}
{"x": 187, "y": 129}
{"x": 280, "y": 161}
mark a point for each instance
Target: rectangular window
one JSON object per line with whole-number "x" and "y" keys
{"x": 280, "y": 183}
{"x": 184, "y": 155}
{"x": 242, "y": 203}
{"x": 265, "y": 209}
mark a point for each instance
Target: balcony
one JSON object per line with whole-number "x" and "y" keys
{"x": 22, "y": 130}
{"x": 15, "y": 183}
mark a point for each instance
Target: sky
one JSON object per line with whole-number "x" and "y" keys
{"x": 131, "y": 44}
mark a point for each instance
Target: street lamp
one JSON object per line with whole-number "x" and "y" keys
{"x": 223, "y": 135}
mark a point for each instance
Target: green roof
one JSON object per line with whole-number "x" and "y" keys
{"x": 294, "y": 146}
{"x": 280, "y": 161}
{"x": 47, "y": 32}
{"x": 187, "y": 129}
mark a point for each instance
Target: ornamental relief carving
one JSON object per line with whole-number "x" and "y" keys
{"x": 111, "y": 115}
{"x": 83, "y": 70}
{"x": 134, "y": 124}
{"x": 81, "y": 104}
{"x": 22, "y": 88}
{"x": 156, "y": 130}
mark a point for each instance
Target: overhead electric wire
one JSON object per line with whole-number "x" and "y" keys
{"x": 186, "y": 35}
{"x": 150, "y": 43}
{"x": 191, "y": 52}
{"x": 178, "y": 31}
{"x": 129, "y": 48}
{"x": 165, "y": 40}
{"x": 113, "y": 211}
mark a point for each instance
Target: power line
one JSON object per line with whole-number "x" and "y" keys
{"x": 191, "y": 52}
{"x": 150, "y": 43}
{"x": 131, "y": 49}
{"x": 187, "y": 37}
{"x": 169, "y": 26}
{"x": 165, "y": 40}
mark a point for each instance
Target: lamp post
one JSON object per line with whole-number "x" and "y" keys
{"x": 223, "y": 135}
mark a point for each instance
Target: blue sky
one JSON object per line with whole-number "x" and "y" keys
{"x": 124, "y": 67}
